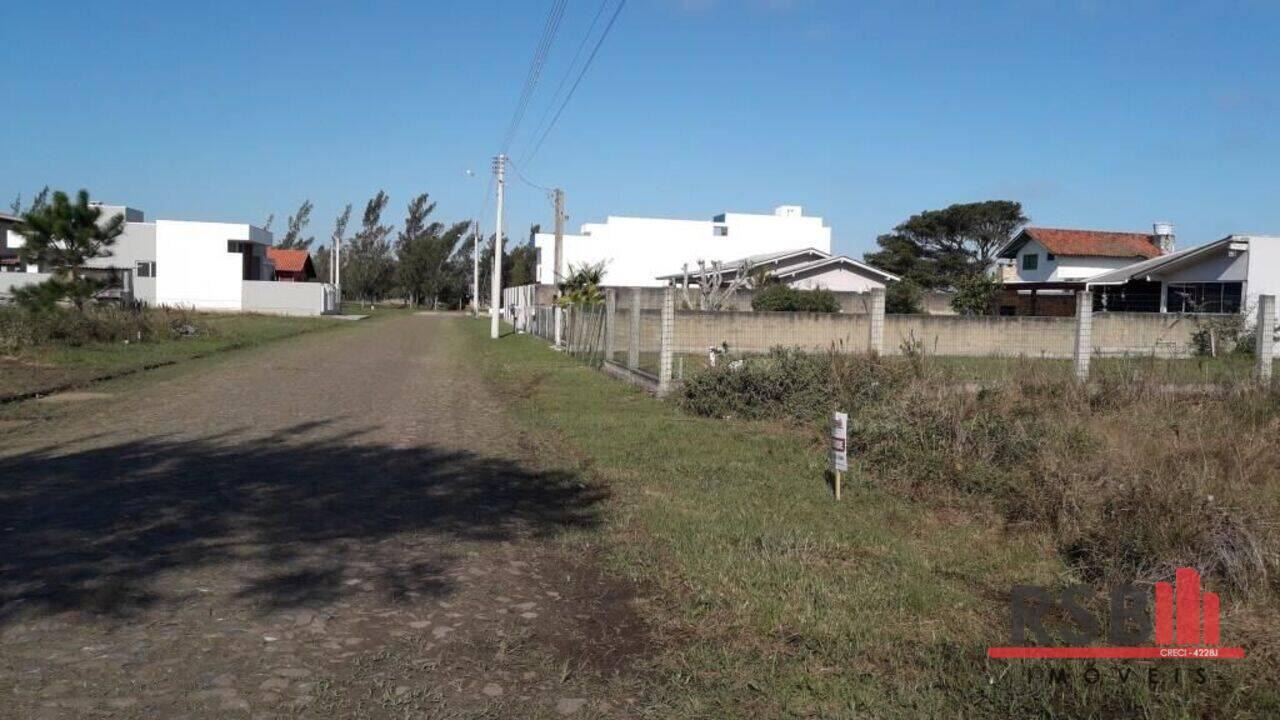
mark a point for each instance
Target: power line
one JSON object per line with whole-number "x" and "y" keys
{"x": 586, "y": 66}
{"x": 555, "y": 97}
{"x": 549, "y": 30}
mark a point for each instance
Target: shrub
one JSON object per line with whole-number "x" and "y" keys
{"x": 903, "y": 297}
{"x": 1128, "y": 480}
{"x": 784, "y": 383}
{"x": 787, "y": 299}
{"x": 975, "y": 294}
{"x": 21, "y": 328}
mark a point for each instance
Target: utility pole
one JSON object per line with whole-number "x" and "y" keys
{"x": 337, "y": 270}
{"x": 495, "y": 290}
{"x": 558, "y": 196}
{"x": 475, "y": 268}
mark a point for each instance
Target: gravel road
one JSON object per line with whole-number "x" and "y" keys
{"x": 343, "y": 524}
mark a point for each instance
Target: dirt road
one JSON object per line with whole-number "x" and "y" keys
{"x": 339, "y": 525}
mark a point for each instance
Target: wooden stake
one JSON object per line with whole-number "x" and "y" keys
{"x": 839, "y": 477}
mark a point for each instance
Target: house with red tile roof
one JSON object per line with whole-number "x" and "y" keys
{"x": 1043, "y": 267}
{"x": 292, "y": 265}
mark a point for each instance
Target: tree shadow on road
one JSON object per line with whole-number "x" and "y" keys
{"x": 288, "y": 518}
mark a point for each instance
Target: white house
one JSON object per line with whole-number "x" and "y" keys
{"x": 202, "y": 265}
{"x": 636, "y": 251}
{"x": 1060, "y": 255}
{"x": 806, "y": 269}
{"x": 1225, "y": 276}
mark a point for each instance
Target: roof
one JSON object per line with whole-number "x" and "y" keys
{"x": 837, "y": 260}
{"x": 1146, "y": 267}
{"x": 755, "y": 261}
{"x": 288, "y": 260}
{"x": 1085, "y": 243}
{"x": 6, "y": 217}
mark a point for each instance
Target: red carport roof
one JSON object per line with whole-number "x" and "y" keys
{"x": 288, "y": 260}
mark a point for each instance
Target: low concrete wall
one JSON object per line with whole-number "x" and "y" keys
{"x": 980, "y": 336}
{"x": 10, "y": 281}
{"x": 752, "y": 332}
{"x": 1161, "y": 335}
{"x": 287, "y": 298}
{"x": 1114, "y": 334}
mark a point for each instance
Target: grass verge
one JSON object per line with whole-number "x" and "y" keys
{"x": 776, "y": 601}
{"x": 52, "y": 367}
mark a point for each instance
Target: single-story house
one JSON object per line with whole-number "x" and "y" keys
{"x": 1225, "y": 276}
{"x": 1042, "y": 267}
{"x": 291, "y": 265}
{"x": 806, "y": 269}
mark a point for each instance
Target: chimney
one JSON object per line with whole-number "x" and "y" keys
{"x": 1162, "y": 236}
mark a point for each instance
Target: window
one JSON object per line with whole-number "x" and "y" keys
{"x": 1206, "y": 297}
{"x": 1050, "y": 257}
{"x": 1030, "y": 261}
{"x": 720, "y": 230}
{"x": 146, "y": 269}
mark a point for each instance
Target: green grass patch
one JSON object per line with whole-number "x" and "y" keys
{"x": 47, "y": 367}
{"x": 776, "y": 601}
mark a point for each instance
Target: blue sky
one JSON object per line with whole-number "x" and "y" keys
{"x": 1093, "y": 114}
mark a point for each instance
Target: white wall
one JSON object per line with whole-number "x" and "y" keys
{"x": 288, "y": 298}
{"x": 638, "y": 250}
{"x": 1064, "y": 267}
{"x": 837, "y": 280}
{"x": 1264, "y": 270}
{"x": 193, "y": 266}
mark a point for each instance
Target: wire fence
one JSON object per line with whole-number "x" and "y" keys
{"x": 664, "y": 345}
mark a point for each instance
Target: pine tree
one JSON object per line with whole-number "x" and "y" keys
{"x": 293, "y": 239}
{"x": 61, "y": 237}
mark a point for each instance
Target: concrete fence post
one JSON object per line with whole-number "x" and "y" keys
{"x": 1265, "y": 346}
{"x": 1084, "y": 334}
{"x": 558, "y": 320}
{"x": 668, "y": 341}
{"x": 633, "y": 347}
{"x": 610, "y": 312}
{"x": 875, "y": 322}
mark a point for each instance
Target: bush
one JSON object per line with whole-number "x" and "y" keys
{"x": 903, "y": 297}
{"x": 21, "y": 328}
{"x": 1129, "y": 482}
{"x": 784, "y": 383}
{"x": 781, "y": 298}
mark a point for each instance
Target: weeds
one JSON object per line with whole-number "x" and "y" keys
{"x": 21, "y": 328}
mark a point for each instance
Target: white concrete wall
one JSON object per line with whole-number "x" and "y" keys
{"x": 637, "y": 250}
{"x": 288, "y": 298}
{"x": 10, "y": 281}
{"x": 1263, "y": 270}
{"x": 1064, "y": 267}
{"x": 193, "y": 267}
{"x": 136, "y": 244}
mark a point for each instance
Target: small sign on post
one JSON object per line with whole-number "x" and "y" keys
{"x": 839, "y": 451}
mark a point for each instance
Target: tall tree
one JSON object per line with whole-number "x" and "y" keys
{"x": 424, "y": 250}
{"x": 298, "y": 222}
{"x": 40, "y": 200}
{"x": 61, "y": 237}
{"x": 271, "y": 217}
{"x": 937, "y": 248}
{"x": 367, "y": 264}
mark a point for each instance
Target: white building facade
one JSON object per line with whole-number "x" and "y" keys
{"x": 636, "y": 251}
{"x": 200, "y": 265}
